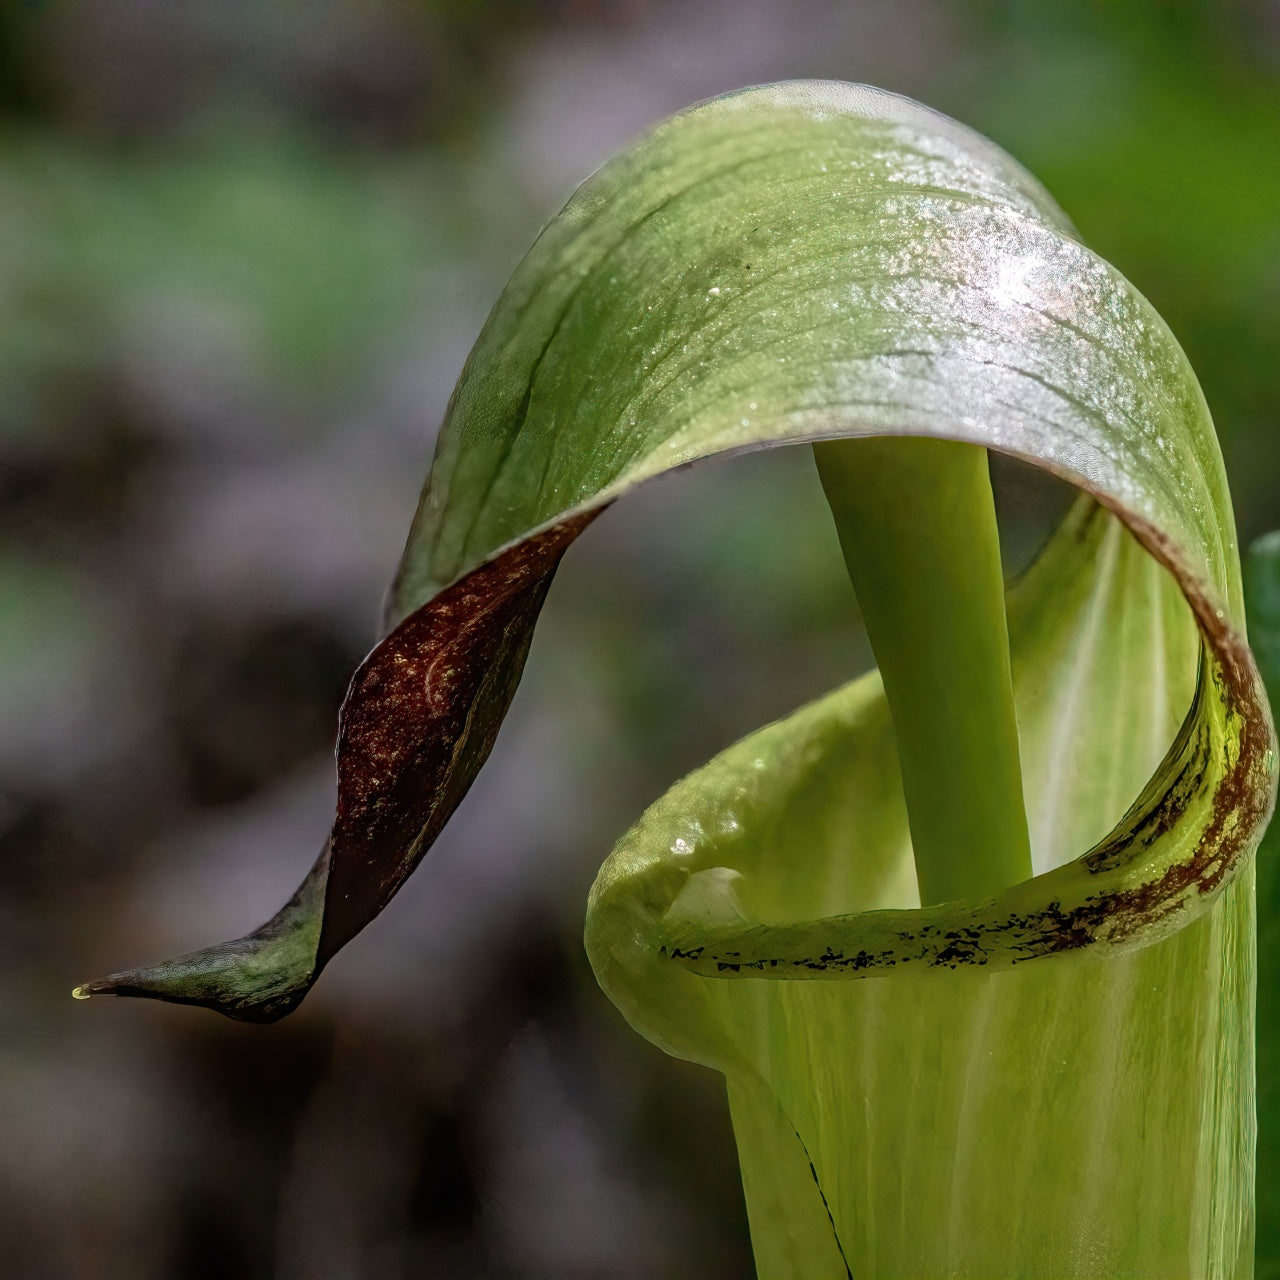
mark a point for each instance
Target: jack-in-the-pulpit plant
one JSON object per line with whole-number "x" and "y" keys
{"x": 971, "y": 939}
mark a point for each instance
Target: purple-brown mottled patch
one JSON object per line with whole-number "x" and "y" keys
{"x": 420, "y": 718}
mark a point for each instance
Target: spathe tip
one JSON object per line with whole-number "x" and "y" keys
{"x": 248, "y": 980}
{"x": 257, "y": 978}
{"x": 107, "y": 986}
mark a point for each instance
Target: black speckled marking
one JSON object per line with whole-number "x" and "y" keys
{"x": 1241, "y": 803}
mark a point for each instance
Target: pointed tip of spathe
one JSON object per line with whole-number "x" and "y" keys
{"x": 253, "y": 979}
{"x": 257, "y": 978}
{"x": 136, "y": 982}
{"x": 117, "y": 984}
{"x": 99, "y": 987}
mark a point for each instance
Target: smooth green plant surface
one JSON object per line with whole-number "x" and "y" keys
{"x": 917, "y": 524}
{"x": 1262, "y": 582}
{"x": 1047, "y": 1074}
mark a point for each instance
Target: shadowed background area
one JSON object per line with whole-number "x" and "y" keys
{"x": 244, "y": 249}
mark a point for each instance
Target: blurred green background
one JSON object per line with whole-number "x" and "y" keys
{"x": 244, "y": 249}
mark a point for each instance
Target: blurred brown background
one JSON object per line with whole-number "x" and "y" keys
{"x": 244, "y": 248}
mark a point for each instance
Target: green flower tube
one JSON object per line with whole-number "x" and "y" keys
{"x": 1045, "y": 1069}
{"x": 1017, "y": 1086}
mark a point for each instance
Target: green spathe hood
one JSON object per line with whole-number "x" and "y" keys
{"x": 795, "y": 263}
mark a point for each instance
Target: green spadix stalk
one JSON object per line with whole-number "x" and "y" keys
{"x": 1046, "y": 1075}
{"x": 917, "y": 524}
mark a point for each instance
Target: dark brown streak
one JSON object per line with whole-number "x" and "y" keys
{"x": 1242, "y": 802}
{"x": 822, "y": 1195}
{"x": 1245, "y": 795}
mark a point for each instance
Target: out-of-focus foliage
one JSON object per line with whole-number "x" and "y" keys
{"x": 244, "y": 248}
{"x": 1158, "y": 128}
